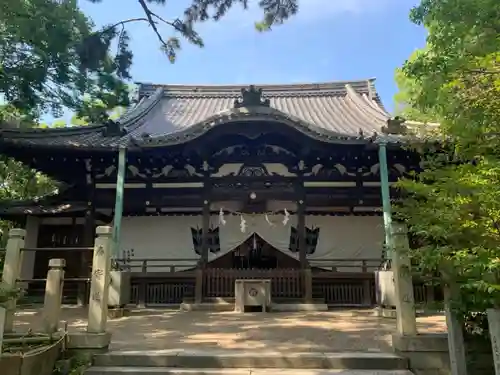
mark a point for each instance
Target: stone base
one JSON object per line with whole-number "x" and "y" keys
{"x": 427, "y": 353}
{"x": 298, "y": 307}
{"x": 275, "y": 307}
{"x": 206, "y": 306}
{"x": 385, "y": 312}
{"x": 89, "y": 342}
{"x": 117, "y": 312}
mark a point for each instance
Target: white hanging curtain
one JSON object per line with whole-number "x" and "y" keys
{"x": 339, "y": 237}
{"x": 274, "y": 232}
{"x": 270, "y": 229}
{"x": 346, "y": 237}
{"x": 230, "y": 233}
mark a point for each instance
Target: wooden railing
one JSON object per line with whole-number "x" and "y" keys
{"x": 344, "y": 289}
{"x": 158, "y": 265}
{"x": 162, "y": 289}
{"x": 162, "y": 281}
{"x": 347, "y": 265}
{"x": 75, "y": 287}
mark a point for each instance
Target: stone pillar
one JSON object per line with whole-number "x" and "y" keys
{"x": 53, "y": 295}
{"x": 100, "y": 278}
{"x": 454, "y": 325}
{"x": 494, "y": 327}
{"x": 403, "y": 284}
{"x": 2, "y": 326}
{"x": 11, "y": 270}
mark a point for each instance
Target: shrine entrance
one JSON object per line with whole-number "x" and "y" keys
{"x": 255, "y": 253}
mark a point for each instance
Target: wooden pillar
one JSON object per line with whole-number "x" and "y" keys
{"x": 205, "y": 227}
{"x": 198, "y": 295}
{"x": 302, "y": 240}
{"x": 301, "y": 232}
{"x": 88, "y": 236}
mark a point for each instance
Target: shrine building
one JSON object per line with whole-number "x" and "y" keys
{"x": 207, "y": 184}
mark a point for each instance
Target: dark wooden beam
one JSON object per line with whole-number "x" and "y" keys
{"x": 205, "y": 219}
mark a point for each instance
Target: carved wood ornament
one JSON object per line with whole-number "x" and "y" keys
{"x": 251, "y": 97}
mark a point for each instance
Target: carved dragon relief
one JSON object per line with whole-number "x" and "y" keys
{"x": 263, "y": 169}
{"x": 169, "y": 170}
{"x": 108, "y": 172}
{"x": 319, "y": 170}
{"x": 186, "y": 170}
{"x": 245, "y": 150}
{"x": 258, "y": 170}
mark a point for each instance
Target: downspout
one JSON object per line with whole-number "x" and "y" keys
{"x": 386, "y": 201}
{"x": 120, "y": 184}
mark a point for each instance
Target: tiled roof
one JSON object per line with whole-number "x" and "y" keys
{"x": 168, "y": 114}
{"x": 10, "y": 209}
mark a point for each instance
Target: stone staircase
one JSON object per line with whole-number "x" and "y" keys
{"x": 248, "y": 362}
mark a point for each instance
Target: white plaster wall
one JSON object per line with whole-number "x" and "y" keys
{"x": 160, "y": 237}
{"x": 169, "y": 237}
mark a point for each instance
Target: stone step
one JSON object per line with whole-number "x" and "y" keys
{"x": 235, "y": 371}
{"x": 231, "y": 300}
{"x": 252, "y": 359}
{"x": 275, "y": 307}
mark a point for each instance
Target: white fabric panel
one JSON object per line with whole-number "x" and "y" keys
{"x": 347, "y": 237}
{"x": 167, "y": 237}
{"x": 170, "y": 237}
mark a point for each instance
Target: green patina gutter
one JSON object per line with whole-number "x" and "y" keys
{"x": 120, "y": 184}
{"x": 386, "y": 198}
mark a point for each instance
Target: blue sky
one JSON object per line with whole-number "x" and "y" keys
{"x": 328, "y": 40}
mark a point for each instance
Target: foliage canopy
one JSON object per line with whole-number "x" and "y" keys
{"x": 454, "y": 205}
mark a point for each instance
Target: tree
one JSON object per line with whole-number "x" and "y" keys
{"x": 408, "y": 89}
{"x": 46, "y": 63}
{"x": 453, "y": 206}
{"x": 52, "y": 57}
